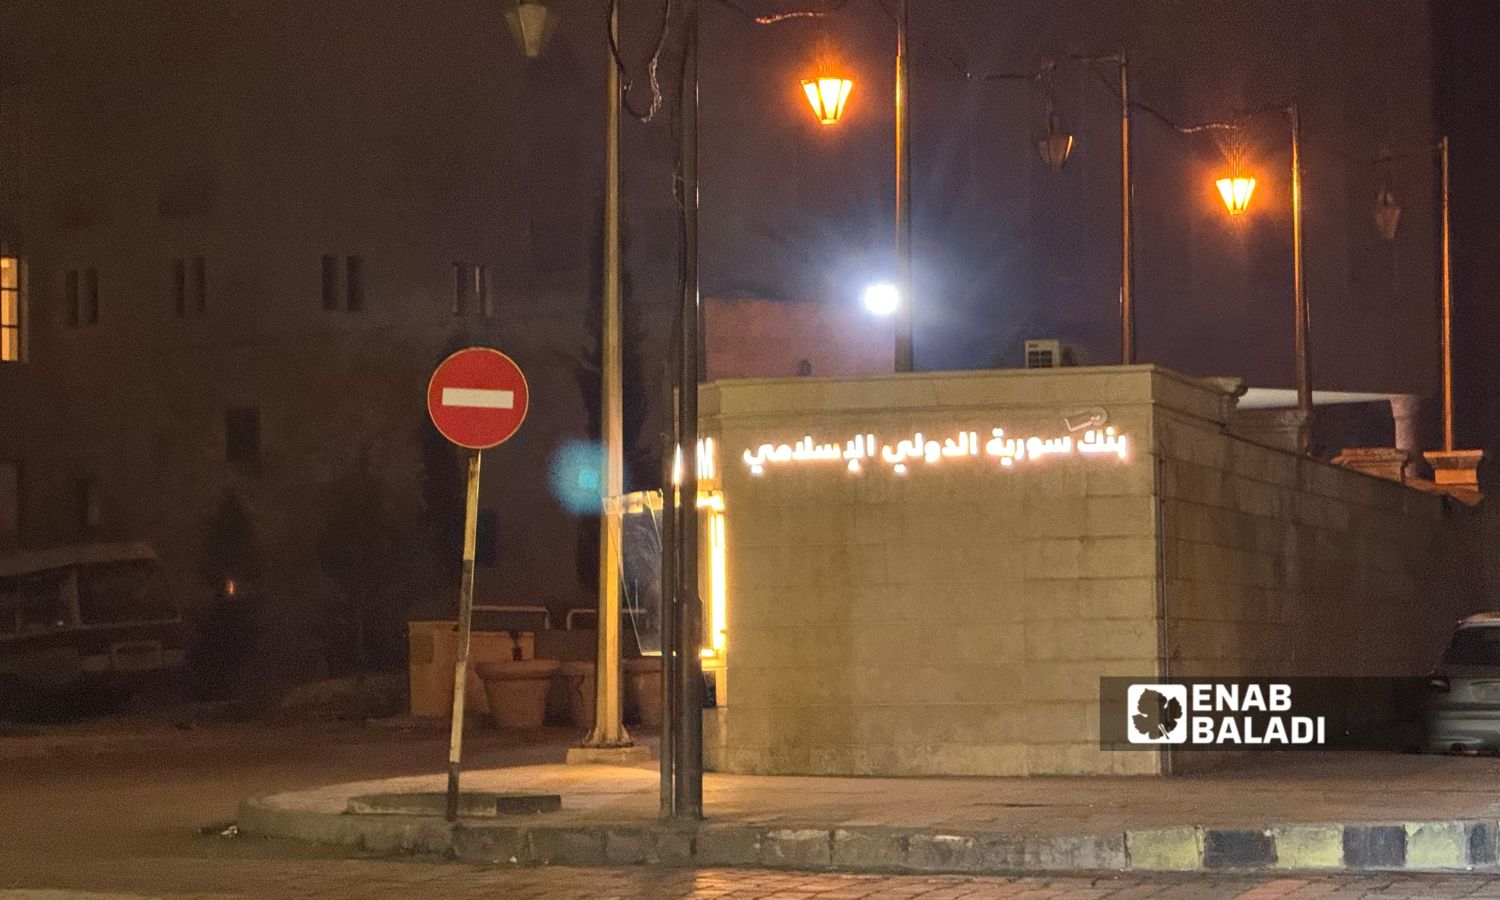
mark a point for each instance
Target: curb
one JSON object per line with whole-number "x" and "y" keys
{"x": 1408, "y": 846}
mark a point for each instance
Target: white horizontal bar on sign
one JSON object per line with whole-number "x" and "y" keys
{"x": 477, "y": 397}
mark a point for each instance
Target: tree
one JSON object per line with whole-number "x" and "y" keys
{"x": 230, "y": 551}
{"x": 228, "y": 628}
{"x": 361, "y": 550}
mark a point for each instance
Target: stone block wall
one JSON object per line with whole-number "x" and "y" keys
{"x": 1279, "y": 565}
{"x": 954, "y": 620}
{"x": 957, "y": 619}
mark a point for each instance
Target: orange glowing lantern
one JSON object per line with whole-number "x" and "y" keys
{"x": 1236, "y": 192}
{"x": 827, "y": 96}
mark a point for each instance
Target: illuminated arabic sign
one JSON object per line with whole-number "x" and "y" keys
{"x": 1008, "y": 452}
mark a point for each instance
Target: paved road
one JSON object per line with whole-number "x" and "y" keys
{"x": 137, "y": 813}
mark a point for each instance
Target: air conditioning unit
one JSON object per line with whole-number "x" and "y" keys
{"x": 1045, "y": 354}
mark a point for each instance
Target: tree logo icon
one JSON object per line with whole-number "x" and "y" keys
{"x": 1156, "y": 713}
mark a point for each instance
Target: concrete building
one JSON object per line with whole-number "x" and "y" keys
{"x": 241, "y": 235}
{"x": 930, "y": 574}
{"x": 752, "y": 338}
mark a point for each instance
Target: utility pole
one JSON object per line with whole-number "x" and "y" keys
{"x": 1127, "y": 249}
{"x": 688, "y": 750}
{"x": 608, "y": 739}
{"x": 1304, "y": 362}
{"x": 1447, "y": 303}
{"x": 904, "y": 350}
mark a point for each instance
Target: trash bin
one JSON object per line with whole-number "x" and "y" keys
{"x": 517, "y": 690}
{"x": 643, "y": 690}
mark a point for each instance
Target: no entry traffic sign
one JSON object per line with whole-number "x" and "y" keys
{"x": 477, "y": 398}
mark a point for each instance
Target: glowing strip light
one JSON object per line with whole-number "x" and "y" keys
{"x": 706, "y": 461}
{"x": 717, "y": 580}
{"x": 863, "y": 449}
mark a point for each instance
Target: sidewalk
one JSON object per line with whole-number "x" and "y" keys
{"x": 1303, "y": 811}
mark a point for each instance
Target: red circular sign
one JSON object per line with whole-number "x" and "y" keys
{"x": 477, "y": 398}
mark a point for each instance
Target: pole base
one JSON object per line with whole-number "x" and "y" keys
{"x": 627, "y": 755}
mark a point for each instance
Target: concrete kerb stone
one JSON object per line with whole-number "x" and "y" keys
{"x": 1419, "y": 846}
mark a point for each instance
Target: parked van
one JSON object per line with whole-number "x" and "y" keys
{"x": 93, "y": 621}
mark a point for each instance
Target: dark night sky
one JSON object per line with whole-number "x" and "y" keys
{"x": 1006, "y": 250}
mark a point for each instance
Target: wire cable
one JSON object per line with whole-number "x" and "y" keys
{"x": 774, "y": 18}
{"x": 626, "y": 82}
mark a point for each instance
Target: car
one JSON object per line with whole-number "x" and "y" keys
{"x": 1463, "y": 697}
{"x": 84, "y": 623}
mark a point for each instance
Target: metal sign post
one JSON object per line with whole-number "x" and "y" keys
{"x": 477, "y": 399}
{"x": 465, "y": 626}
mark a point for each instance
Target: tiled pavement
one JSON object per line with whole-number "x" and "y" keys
{"x": 416, "y": 880}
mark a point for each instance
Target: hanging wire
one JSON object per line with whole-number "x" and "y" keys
{"x": 626, "y": 82}
{"x": 773, "y": 18}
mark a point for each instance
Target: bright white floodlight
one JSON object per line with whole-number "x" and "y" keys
{"x": 882, "y": 299}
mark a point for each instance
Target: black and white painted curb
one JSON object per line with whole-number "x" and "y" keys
{"x": 1411, "y": 846}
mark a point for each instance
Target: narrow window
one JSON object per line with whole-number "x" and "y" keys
{"x": 91, "y": 293}
{"x": 354, "y": 284}
{"x": 179, "y": 286}
{"x": 10, "y": 498}
{"x": 200, "y": 284}
{"x": 88, "y": 505}
{"x": 482, "y": 290}
{"x": 470, "y": 289}
{"x": 461, "y": 288}
{"x": 330, "y": 282}
{"x": 70, "y": 290}
{"x": 10, "y": 310}
{"x": 242, "y": 435}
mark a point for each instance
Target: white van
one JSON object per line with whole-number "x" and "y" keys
{"x": 90, "y": 620}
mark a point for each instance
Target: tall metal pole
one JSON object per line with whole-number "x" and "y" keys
{"x": 689, "y": 781}
{"x": 609, "y": 728}
{"x": 1304, "y": 363}
{"x": 668, "y": 610}
{"x": 465, "y": 621}
{"x": 1127, "y": 253}
{"x": 1447, "y": 303}
{"x": 904, "y": 352}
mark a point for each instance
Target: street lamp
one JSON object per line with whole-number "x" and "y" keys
{"x": 1387, "y": 212}
{"x": 882, "y": 299}
{"x": 532, "y": 24}
{"x": 1236, "y": 191}
{"x": 827, "y": 94}
{"x": 1055, "y": 148}
{"x": 1056, "y": 145}
{"x": 1387, "y": 219}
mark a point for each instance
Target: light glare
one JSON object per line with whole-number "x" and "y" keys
{"x": 882, "y": 299}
